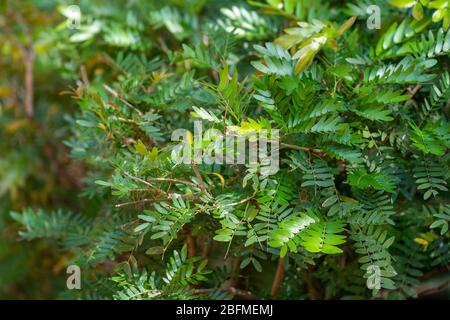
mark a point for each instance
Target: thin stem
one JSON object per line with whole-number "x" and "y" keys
{"x": 278, "y": 279}
{"x": 115, "y": 94}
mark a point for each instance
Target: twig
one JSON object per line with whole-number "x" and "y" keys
{"x": 167, "y": 196}
{"x": 190, "y": 245}
{"x": 116, "y": 95}
{"x": 29, "y": 80}
{"x": 295, "y": 147}
{"x": 29, "y": 57}
{"x": 311, "y": 288}
{"x": 172, "y": 180}
{"x": 120, "y": 205}
{"x": 317, "y": 151}
{"x": 414, "y": 90}
{"x": 205, "y": 248}
{"x": 214, "y": 75}
{"x": 84, "y": 76}
{"x": 199, "y": 177}
{"x": 238, "y": 202}
{"x": 242, "y": 293}
{"x": 163, "y": 44}
{"x": 427, "y": 291}
{"x": 154, "y": 188}
{"x": 424, "y": 288}
{"x": 278, "y": 279}
{"x": 138, "y": 179}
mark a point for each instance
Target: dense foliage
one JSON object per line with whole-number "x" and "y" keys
{"x": 359, "y": 207}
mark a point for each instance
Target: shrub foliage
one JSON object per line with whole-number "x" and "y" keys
{"x": 359, "y": 207}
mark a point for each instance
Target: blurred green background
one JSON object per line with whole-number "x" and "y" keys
{"x": 35, "y": 170}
